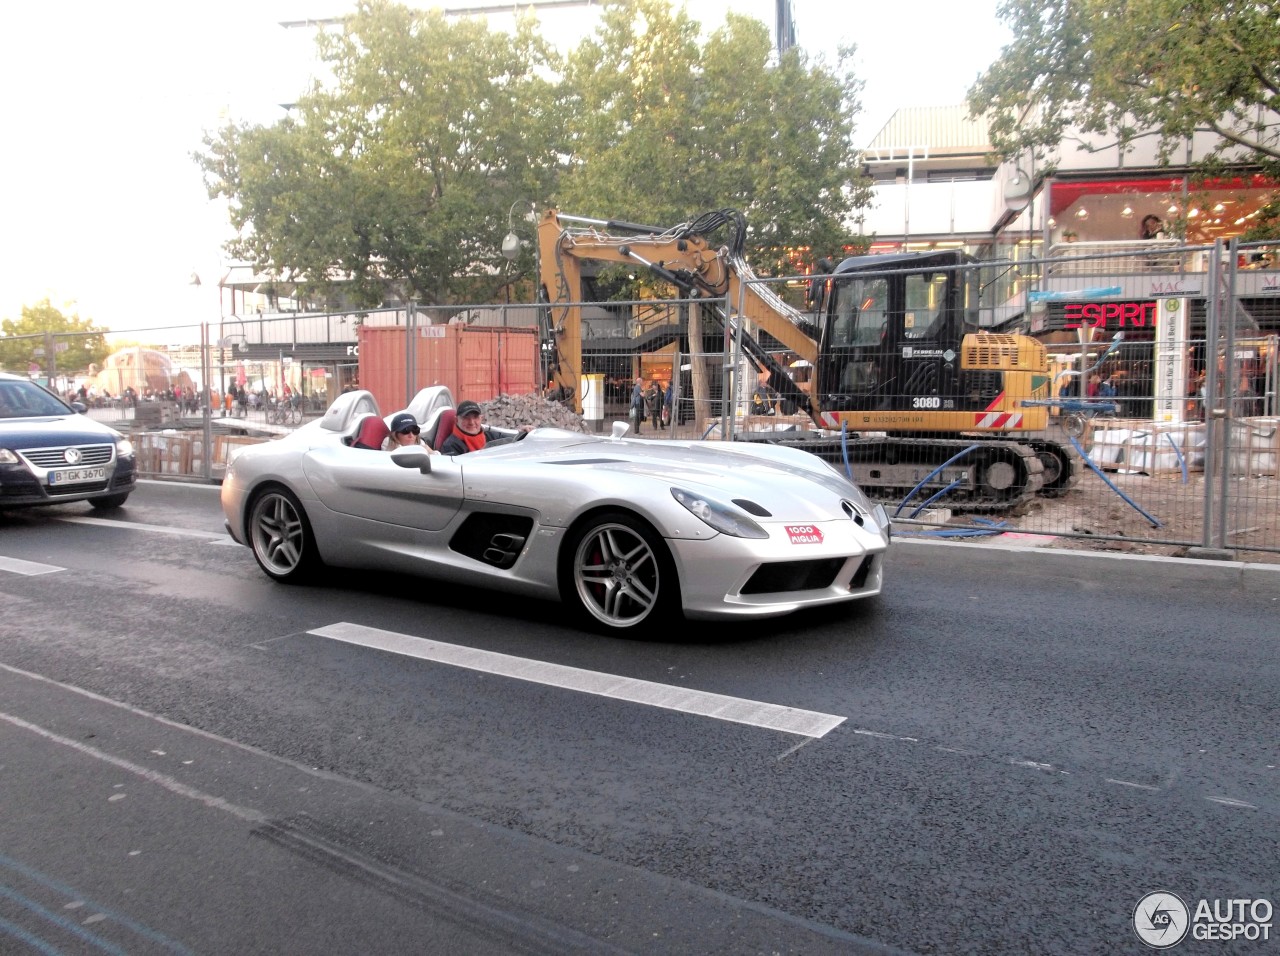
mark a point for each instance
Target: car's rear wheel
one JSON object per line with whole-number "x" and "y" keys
{"x": 617, "y": 573}
{"x": 281, "y": 536}
{"x": 107, "y": 502}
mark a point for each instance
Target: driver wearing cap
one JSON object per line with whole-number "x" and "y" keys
{"x": 469, "y": 431}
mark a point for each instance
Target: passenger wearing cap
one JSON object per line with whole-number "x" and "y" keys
{"x": 405, "y": 433}
{"x": 471, "y": 434}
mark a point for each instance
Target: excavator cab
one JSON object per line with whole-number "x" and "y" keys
{"x": 892, "y": 333}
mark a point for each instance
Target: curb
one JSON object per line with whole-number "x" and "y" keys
{"x": 1191, "y": 571}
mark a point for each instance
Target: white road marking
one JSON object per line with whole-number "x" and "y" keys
{"x": 154, "y": 528}
{"x": 1019, "y": 762}
{"x": 736, "y": 709}
{"x": 18, "y": 566}
{"x": 1136, "y": 786}
{"x": 876, "y": 733}
{"x": 163, "y": 780}
{"x": 1230, "y": 802}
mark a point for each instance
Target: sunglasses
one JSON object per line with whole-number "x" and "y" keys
{"x": 409, "y": 431}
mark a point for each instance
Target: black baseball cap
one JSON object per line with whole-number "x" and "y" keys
{"x": 469, "y": 408}
{"x": 404, "y": 422}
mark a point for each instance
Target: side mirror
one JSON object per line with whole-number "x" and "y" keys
{"x": 412, "y": 458}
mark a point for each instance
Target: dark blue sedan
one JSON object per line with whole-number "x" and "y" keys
{"x": 50, "y": 453}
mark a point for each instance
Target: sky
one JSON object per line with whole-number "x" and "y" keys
{"x": 103, "y": 211}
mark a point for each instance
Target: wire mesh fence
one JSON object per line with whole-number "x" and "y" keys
{"x": 1123, "y": 395}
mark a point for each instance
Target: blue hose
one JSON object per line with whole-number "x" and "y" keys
{"x": 949, "y": 533}
{"x": 934, "y": 497}
{"x": 844, "y": 450}
{"x": 1181, "y": 460}
{"x": 955, "y": 457}
{"x": 1155, "y": 523}
{"x": 992, "y": 528}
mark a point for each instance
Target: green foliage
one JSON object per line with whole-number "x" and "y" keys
{"x": 24, "y": 341}
{"x": 398, "y": 176}
{"x": 1130, "y": 67}
{"x": 661, "y": 130}
{"x": 395, "y": 179}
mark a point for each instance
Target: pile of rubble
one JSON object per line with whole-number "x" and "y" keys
{"x": 512, "y": 411}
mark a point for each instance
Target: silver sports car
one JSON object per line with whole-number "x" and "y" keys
{"x": 623, "y": 531}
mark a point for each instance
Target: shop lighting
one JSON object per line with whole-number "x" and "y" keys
{"x": 1082, "y": 213}
{"x": 1126, "y": 212}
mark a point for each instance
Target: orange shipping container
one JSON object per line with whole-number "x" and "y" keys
{"x": 475, "y": 363}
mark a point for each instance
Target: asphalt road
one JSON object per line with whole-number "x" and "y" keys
{"x": 1025, "y": 745}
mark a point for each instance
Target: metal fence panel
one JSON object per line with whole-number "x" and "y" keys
{"x": 1182, "y": 450}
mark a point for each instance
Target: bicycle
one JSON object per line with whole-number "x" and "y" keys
{"x": 290, "y": 412}
{"x": 283, "y": 412}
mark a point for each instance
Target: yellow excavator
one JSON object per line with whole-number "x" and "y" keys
{"x": 904, "y": 390}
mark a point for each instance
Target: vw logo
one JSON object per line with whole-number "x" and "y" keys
{"x": 72, "y": 456}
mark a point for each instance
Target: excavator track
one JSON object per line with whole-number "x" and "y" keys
{"x": 976, "y": 474}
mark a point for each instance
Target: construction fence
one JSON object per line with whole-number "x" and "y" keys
{"x": 1172, "y": 426}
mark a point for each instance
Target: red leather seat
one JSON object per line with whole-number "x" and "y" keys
{"x": 443, "y": 428}
{"x": 373, "y": 431}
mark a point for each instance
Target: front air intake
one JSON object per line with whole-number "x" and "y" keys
{"x": 783, "y": 576}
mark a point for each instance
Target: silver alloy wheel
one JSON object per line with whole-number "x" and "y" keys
{"x": 616, "y": 574}
{"x": 279, "y": 534}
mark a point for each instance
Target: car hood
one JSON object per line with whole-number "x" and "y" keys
{"x": 18, "y": 433}
{"x": 789, "y": 484}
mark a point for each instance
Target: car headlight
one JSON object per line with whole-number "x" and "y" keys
{"x": 7, "y": 457}
{"x": 722, "y": 518}
{"x": 882, "y": 518}
{"x": 124, "y": 448}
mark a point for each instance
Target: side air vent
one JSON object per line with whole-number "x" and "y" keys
{"x": 749, "y": 506}
{"x": 852, "y": 511}
{"x": 496, "y": 539}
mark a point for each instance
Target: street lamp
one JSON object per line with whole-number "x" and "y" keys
{"x": 511, "y": 243}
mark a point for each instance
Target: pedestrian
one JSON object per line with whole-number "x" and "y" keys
{"x": 637, "y": 403}
{"x": 653, "y": 405}
{"x": 764, "y": 400}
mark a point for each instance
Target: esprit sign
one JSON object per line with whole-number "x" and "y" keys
{"x": 1102, "y": 315}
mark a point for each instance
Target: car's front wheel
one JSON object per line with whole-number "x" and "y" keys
{"x": 281, "y": 536}
{"x": 618, "y": 574}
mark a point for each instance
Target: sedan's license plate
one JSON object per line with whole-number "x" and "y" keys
{"x": 69, "y": 476}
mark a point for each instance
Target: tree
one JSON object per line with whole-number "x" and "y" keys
{"x": 397, "y": 176}
{"x": 660, "y": 130}
{"x": 77, "y": 342}
{"x": 1129, "y": 68}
